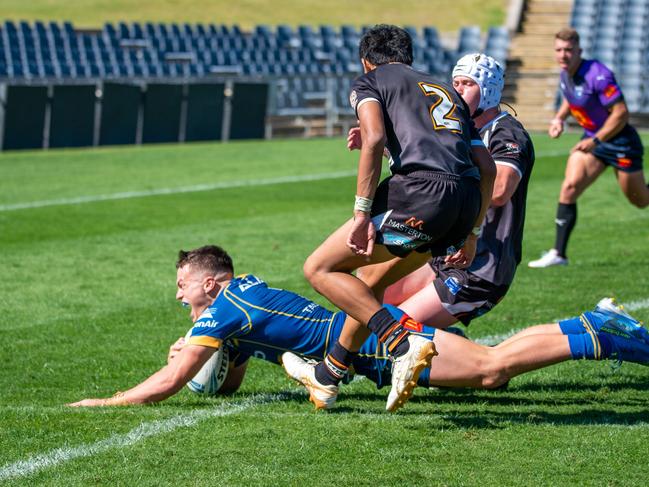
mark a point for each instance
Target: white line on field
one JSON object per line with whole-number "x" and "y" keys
{"x": 55, "y": 457}
{"x": 182, "y": 189}
{"x": 496, "y": 339}
{"x": 77, "y": 200}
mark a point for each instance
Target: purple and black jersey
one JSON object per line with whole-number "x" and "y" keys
{"x": 427, "y": 123}
{"x": 590, "y": 93}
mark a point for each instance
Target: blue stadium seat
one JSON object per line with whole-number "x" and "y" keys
{"x": 470, "y": 40}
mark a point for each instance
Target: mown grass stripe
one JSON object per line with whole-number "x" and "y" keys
{"x": 77, "y": 200}
{"x": 55, "y": 457}
{"x": 182, "y": 189}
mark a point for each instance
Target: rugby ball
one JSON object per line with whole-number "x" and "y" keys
{"x": 211, "y": 377}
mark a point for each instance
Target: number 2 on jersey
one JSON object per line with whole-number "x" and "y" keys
{"x": 442, "y": 110}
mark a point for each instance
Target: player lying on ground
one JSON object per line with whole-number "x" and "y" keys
{"x": 593, "y": 97}
{"x": 439, "y": 294}
{"x": 439, "y": 190}
{"x": 255, "y": 320}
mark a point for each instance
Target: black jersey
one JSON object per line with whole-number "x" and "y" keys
{"x": 427, "y": 123}
{"x": 500, "y": 246}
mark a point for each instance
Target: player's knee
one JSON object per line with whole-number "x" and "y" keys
{"x": 569, "y": 191}
{"x": 493, "y": 374}
{"x": 312, "y": 271}
{"x": 638, "y": 201}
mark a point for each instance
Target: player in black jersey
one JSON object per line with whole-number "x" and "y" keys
{"x": 440, "y": 188}
{"x": 438, "y": 294}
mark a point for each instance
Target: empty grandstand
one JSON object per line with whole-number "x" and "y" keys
{"x": 309, "y": 70}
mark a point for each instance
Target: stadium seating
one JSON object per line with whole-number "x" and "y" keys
{"x": 614, "y": 32}
{"x": 304, "y": 58}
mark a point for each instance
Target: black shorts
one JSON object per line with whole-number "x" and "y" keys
{"x": 425, "y": 211}
{"x": 623, "y": 152}
{"x": 463, "y": 294}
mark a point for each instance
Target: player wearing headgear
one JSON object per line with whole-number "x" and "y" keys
{"x": 438, "y": 294}
{"x": 255, "y": 320}
{"x": 593, "y": 97}
{"x": 440, "y": 188}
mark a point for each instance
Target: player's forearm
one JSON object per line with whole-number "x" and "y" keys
{"x": 563, "y": 112}
{"x": 369, "y": 169}
{"x": 158, "y": 387}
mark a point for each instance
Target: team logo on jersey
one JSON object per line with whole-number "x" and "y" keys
{"x": 512, "y": 148}
{"x": 353, "y": 99}
{"x": 206, "y": 315}
{"x": 610, "y": 90}
{"x": 579, "y": 90}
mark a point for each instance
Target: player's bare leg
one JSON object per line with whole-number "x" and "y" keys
{"x": 426, "y": 307}
{"x": 582, "y": 169}
{"x": 408, "y": 286}
{"x": 634, "y": 186}
{"x": 463, "y": 363}
{"x": 328, "y": 270}
{"x": 549, "y": 329}
{"x": 378, "y": 277}
{"x": 605, "y": 332}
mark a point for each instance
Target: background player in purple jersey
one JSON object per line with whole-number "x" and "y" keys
{"x": 440, "y": 188}
{"x": 592, "y": 96}
{"x": 262, "y": 321}
{"x": 438, "y": 294}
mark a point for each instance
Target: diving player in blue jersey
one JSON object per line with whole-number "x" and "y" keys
{"x": 259, "y": 321}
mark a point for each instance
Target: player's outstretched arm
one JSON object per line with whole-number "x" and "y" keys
{"x": 161, "y": 385}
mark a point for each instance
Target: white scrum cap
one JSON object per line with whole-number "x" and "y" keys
{"x": 487, "y": 73}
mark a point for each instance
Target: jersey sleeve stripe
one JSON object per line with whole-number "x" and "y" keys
{"x": 513, "y": 166}
{"x": 204, "y": 341}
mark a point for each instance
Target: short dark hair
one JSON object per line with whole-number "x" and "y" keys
{"x": 568, "y": 34}
{"x": 209, "y": 258}
{"x": 383, "y": 44}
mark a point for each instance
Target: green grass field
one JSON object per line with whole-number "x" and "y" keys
{"x": 446, "y": 16}
{"x": 87, "y": 298}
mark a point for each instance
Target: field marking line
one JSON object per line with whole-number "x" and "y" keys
{"x": 77, "y": 200}
{"x": 55, "y": 457}
{"x": 490, "y": 340}
{"x": 179, "y": 190}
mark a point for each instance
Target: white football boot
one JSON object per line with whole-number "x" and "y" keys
{"x": 406, "y": 369}
{"x": 548, "y": 259}
{"x": 303, "y": 371}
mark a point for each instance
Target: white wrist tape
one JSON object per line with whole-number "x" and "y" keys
{"x": 363, "y": 204}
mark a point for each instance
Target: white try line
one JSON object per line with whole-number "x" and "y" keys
{"x": 77, "y": 200}
{"x": 55, "y": 457}
{"x": 496, "y": 339}
{"x": 182, "y": 189}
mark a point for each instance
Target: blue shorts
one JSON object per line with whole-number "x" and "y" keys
{"x": 623, "y": 152}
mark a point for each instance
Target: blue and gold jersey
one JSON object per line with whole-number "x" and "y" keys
{"x": 259, "y": 321}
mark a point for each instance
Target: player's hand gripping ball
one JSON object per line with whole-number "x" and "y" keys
{"x": 212, "y": 375}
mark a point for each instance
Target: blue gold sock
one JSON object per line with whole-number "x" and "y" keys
{"x": 572, "y": 326}
{"x": 588, "y": 346}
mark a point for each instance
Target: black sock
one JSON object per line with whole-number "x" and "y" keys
{"x": 335, "y": 365}
{"x": 565, "y": 221}
{"x": 390, "y": 332}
